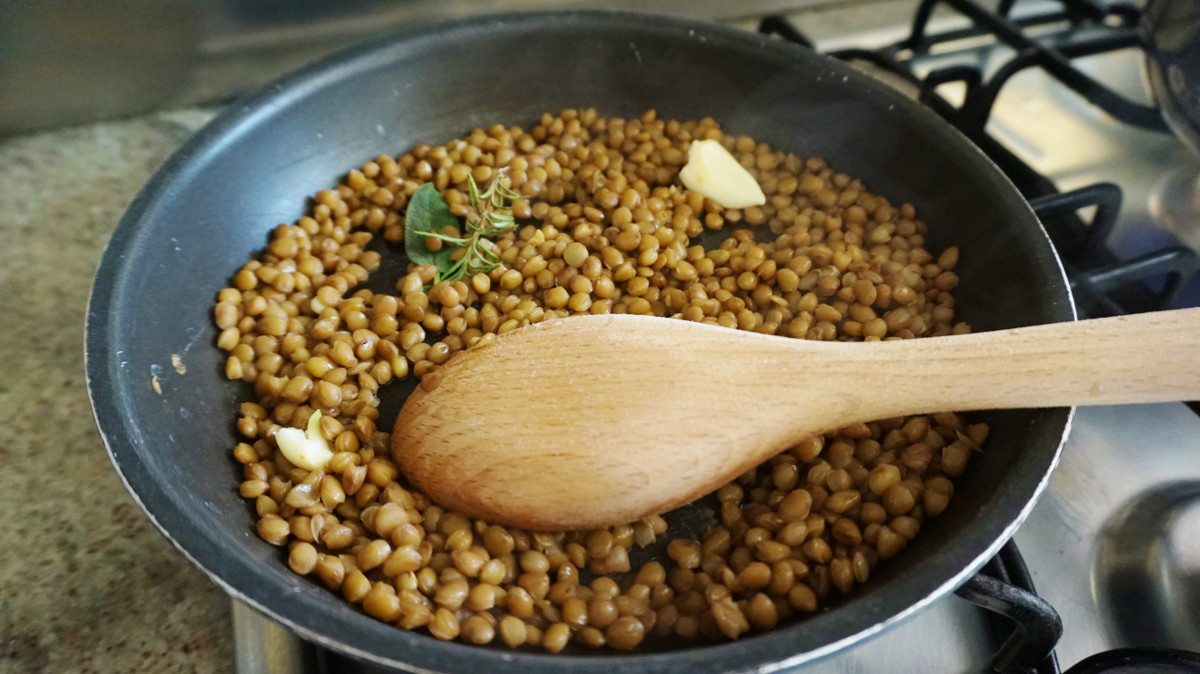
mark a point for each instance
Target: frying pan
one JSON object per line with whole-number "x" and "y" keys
{"x": 213, "y": 203}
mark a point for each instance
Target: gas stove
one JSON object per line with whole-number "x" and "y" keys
{"x": 1104, "y": 575}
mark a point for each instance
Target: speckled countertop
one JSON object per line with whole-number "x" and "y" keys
{"x": 86, "y": 583}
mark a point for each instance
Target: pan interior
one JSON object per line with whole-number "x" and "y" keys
{"x": 212, "y": 206}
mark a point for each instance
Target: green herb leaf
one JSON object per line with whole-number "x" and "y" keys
{"x": 452, "y": 272}
{"x": 488, "y": 253}
{"x": 472, "y": 191}
{"x": 452, "y": 240}
{"x": 427, "y": 212}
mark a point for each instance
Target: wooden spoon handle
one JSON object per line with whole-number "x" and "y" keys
{"x": 1152, "y": 357}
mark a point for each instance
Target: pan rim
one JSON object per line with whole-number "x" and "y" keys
{"x": 771, "y": 651}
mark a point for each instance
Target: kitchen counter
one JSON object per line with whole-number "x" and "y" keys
{"x": 86, "y": 582}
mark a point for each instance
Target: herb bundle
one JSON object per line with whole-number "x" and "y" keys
{"x": 460, "y": 255}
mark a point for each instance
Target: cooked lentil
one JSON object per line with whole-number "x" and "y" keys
{"x": 606, "y": 229}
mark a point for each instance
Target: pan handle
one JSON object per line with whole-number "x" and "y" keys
{"x": 1037, "y": 626}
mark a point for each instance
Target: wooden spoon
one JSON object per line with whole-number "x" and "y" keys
{"x": 597, "y": 420}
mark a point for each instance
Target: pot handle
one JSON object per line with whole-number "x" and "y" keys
{"x": 1037, "y": 625}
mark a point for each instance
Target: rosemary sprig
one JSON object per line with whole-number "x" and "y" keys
{"x": 490, "y": 216}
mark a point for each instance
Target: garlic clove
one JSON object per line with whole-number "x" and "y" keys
{"x": 716, "y": 174}
{"x": 305, "y": 449}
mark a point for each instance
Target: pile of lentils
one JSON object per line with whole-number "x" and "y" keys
{"x": 604, "y": 227}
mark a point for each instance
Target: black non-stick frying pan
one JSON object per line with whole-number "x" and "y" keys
{"x": 213, "y": 203}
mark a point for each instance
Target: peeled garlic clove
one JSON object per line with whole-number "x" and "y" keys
{"x": 713, "y": 172}
{"x": 308, "y": 450}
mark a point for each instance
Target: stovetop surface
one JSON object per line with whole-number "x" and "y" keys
{"x": 1113, "y": 544}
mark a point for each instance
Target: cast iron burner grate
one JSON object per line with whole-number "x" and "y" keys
{"x": 1026, "y": 626}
